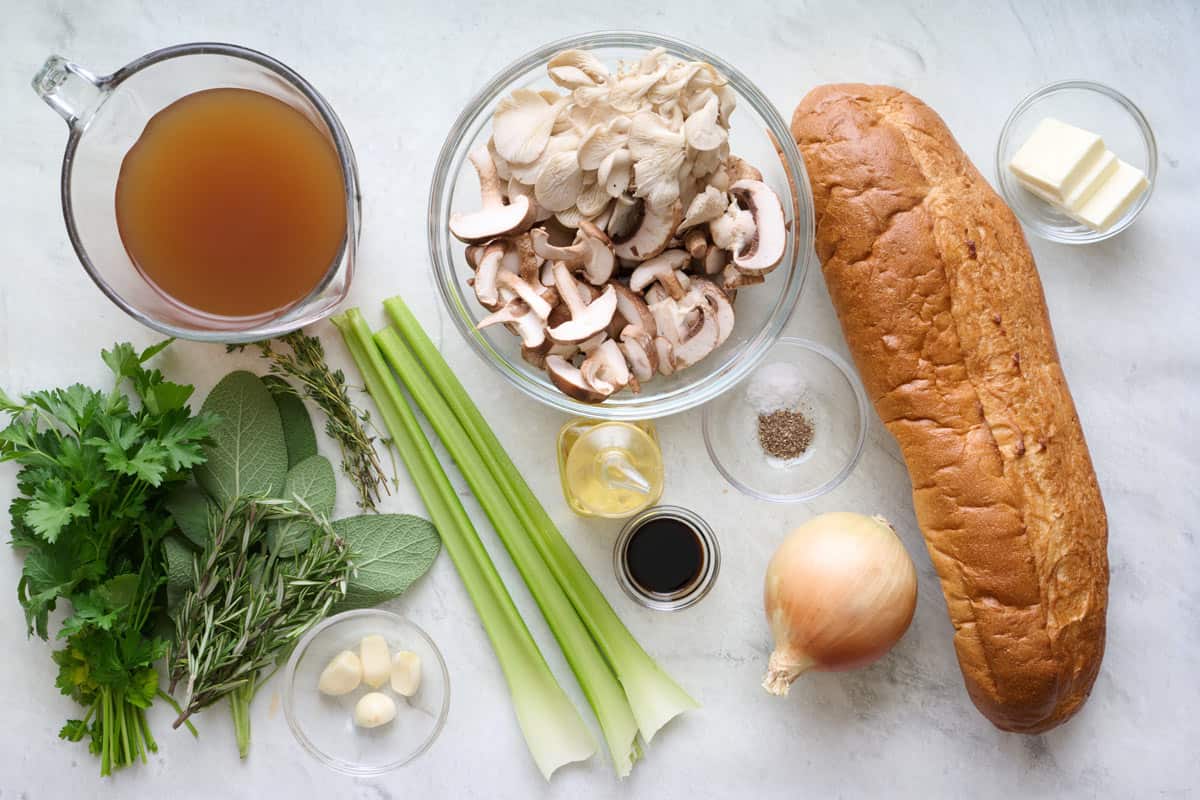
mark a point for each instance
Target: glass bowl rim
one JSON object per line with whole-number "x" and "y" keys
{"x": 837, "y": 478}
{"x": 289, "y": 675}
{"x": 682, "y": 398}
{"x": 1135, "y": 113}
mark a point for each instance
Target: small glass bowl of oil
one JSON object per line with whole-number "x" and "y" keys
{"x": 609, "y": 469}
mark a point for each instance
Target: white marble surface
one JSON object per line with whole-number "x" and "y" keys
{"x": 1124, "y": 312}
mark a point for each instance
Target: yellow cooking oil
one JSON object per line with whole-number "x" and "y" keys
{"x": 609, "y": 469}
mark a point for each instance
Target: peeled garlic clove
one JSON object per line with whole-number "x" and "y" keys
{"x": 374, "y": 709}
{"x": 342, "y": 675}
{"x": 406, "y": 673}
{"x": 376, "y": 660}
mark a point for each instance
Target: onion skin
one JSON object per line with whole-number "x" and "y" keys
{"x": 839, "y": 593}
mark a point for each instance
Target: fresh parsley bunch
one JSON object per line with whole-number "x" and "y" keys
{"x": 90, "y": 518}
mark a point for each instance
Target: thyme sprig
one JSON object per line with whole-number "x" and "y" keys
{"x": 344, "y": 422}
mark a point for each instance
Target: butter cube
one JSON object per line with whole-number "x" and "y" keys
{"x": 1113, "y": 198}
{"x": 1056, "y": 158}
{"x": 1104, "y": 168}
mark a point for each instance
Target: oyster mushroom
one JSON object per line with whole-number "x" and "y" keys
{"x": 522, "y": 123}
{"x": 573, "y": 68}
{"x": 495, "y": 218}
{"x": 615, "y": 172}
{"x": 702, "y": 128}
{"x": 705, "y": 207}
{"x": 605, "y": 369}
{"x": 559, "y": 182}
{"x": 587, "y": 319}
{"x": 658, "y": 153}
{"x": 651, "y": 234}
{"x": 764, "y": 249}
{"x": 569, "y": 380}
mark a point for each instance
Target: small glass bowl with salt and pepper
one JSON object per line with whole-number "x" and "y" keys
{"x": 793, "y": 429}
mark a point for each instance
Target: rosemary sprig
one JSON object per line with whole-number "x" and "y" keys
{"x": 345, "y": 423}
{"x": 247, "y": 608}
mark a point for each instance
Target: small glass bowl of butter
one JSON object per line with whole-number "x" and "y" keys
{"x": 1076, "y": 162}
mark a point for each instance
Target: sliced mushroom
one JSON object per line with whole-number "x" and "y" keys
{"x": 474, "y": 254}
{"x": 537, "y": 304}
{"x": 518, "y": 317}
{"x": 632, "y": 309}
{"x": 666, "y": 355}
{"x": 764, "y": 250}
{"x": 719, "y": 301}
{"x": 586, "y": 319}
{"x": 733, "y": 278}
{"x": 651, "y": 235}
{"x": 569, "y": 380}
{"x": 662, "y": 268}
{"x": 740, "y": 170}
{"x": 487, "y": 276}
{"x": 733, "y": 230}
{"x": 656, "y": 294}
{"x": 591, "y": 343}
{"x": 715, "y": 260}
{"x": 639, "y": 350}
{"x": 695, "y": 242}
{"x": 495, "y": 218}
{"x": 593, "y": 251}
{"x": 692, "y": 337}
{"x": 605, "y": 369}
{"x": 702, "y": 340}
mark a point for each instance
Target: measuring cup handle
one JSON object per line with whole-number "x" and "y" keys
{"x": 72, "y": 91}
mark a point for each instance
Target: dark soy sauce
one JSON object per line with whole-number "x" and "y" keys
{"x": 664, "y": 555}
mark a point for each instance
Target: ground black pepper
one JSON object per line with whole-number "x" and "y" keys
{"x": 784, "y": 434}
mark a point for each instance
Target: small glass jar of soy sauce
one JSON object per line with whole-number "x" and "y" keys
{"x": 667, "y": 558}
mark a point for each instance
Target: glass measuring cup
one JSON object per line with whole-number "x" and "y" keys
{"x": 106, "y": 115}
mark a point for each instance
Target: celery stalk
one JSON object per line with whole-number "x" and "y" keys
{"x": 552, "y": 727}
{"x": 654, "y": 698}
{"x": 599, "y": 684}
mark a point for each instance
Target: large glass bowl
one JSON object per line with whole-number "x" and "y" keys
{"x": 761, "y": 311}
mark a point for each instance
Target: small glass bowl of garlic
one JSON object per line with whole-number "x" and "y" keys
{"x": 366, "y": 692}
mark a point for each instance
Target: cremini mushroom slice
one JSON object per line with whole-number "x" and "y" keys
{"x": 569, "y": 380}
{"x": 592, "y": 342}
{"x": 661, "y": 268}
{"x": 709, "y": 292}
{"x": 587, "y": 319}
{"x": 522, "y": 123}
{"x": 605, "y": 369}
{"x": 705, "y": 207}
{"x": 702, "y": 129}
{"x": 666, "y": 355}
{"x": 695, "y": 242}
{"x": 495, "y": 218}
{"x": 715, "y": 260}
{"x": 592, "y": 251}
{"x": 733, "y": 278}
{"x": 517, "y": 317}
{"x": 701, "y": 339}
{"x": 518, "y": 189}
{"x": 658, "y": 153}
{"x": 764, "y": 250}
{"x": 559, "y": 182}
{"x": 653, "y": 233}
{"x": 474, "y": 254}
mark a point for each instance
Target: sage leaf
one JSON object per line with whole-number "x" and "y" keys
{"x": 313, "y": 481}
{"x": 248, "y": 456}
{"x": 192, "y": 511}
{"x": 389, "y": 553}
{"x": 178, "y": 558}
{"x": 298, "y": 433}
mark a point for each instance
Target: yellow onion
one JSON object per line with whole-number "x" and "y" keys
{"x": 840, "y": 591}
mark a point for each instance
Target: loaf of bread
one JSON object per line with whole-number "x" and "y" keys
{"x": 941, "y": 306}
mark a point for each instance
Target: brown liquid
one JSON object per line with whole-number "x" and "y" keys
{"x": 232, "y": 203}
{"x": 664, "y": 555}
